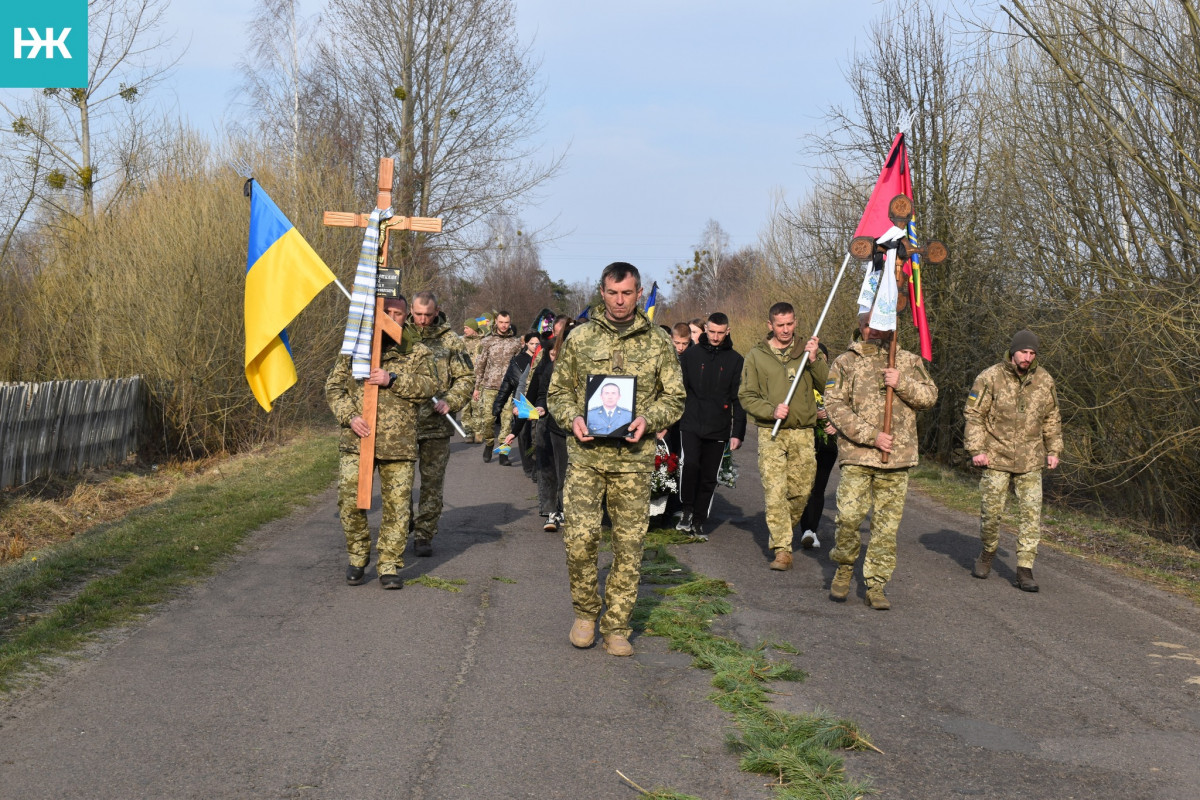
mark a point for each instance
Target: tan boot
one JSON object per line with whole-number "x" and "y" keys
{"x": 617, "y": 646}
{"x": 783, "y": 560}
{"x": 583, "y": 632}
{"x": 983, "y": 564}
{"x": 876, "y": 598}
{"x": 841, "y": 582}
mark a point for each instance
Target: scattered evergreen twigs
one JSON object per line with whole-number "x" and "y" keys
{"x": 798, "y": 751}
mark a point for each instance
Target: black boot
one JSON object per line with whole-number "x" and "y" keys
{"x": 1025, "y": 579}
{"x": 487, "y": 453}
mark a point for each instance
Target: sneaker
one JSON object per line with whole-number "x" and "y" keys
{"x": 698, "y": 532}
{"x": 783, "y": 560}
{"x": 809, "y": 540}
{"x": 876, "y": 599}
{"x": 583, "y": 633}
{"x": 354, "y": 575}
{"x": 840, "y": 588}
{"x": 392, "y": 581}
{"x": 685, "y": 522}
{"x": 551, "y": 525}
{"x": 423, "y": 547}
{"x": 617, "y": 646}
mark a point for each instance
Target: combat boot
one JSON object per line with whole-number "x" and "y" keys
{"x": 983, "y": 564}
{"x": 423, "y": 547}
{"x": 783, "y": 560}
{"x": 392, "y": 581}
{"x": 354, "y": 575}
{"x": 617, "y": 646}
{"x": 583, "y": 632}
{"x": 1024, "y": 580}
{"x": 504, "y": 462}
{"x": 487, "y": 453}
{"x": 876, "y": 599}
{"x": 840, "y": 588}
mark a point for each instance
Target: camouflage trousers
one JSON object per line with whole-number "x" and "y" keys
{"x": 861, "y": 489}
{"x": 787, "y": 466}
{"x": 396, "y": 482}
{"x": 628, "y": 495}
{"x": 485, "y": 425}
{"x": 433, "y": 455}
{"x": 993, "y": 496}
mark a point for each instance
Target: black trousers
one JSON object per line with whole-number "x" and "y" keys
{"x": 826, "y": 457}
{"x": 701, "y": 463}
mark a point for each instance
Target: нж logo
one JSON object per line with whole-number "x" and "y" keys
{"x": 50, "y": 43}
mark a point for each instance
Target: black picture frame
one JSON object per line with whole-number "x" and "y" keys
{"x": 624, "y": 412}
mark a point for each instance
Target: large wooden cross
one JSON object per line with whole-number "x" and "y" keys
{"x": 349, "y": 219}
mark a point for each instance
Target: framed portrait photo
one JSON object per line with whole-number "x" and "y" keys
{"x": 611, "y": 401}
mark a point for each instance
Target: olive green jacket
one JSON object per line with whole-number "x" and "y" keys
{"x": 644, "y": 351}
{"x": 767, "y": 375}
{"x": 455, "y": 376}
{"x": 855, "y": 397}
{"x": 1013, "y": 418}
{"x": 396, "y": 412}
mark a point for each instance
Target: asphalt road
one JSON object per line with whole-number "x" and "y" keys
{"x": 274, "y": 679}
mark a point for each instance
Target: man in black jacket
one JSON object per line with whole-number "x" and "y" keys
{"x": 712, "y": 416}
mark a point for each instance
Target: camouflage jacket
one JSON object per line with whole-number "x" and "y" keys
{"x": 854, "y": 398}
{"x": 767, "y": 375}
{"x": 396, "y": 414}
{"x": 495, "y": 351}
{"x": 455, "y": 376}
{"x": 645, "y": 351}
{"x": 1014, "y": 419}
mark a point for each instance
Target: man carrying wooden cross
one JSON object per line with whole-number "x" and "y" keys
{"x": 405, "y": 380}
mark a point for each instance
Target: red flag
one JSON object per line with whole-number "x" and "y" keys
{"x": 895, "y": 179}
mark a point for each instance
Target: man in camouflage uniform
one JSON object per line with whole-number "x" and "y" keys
{"x": 472, "y": 336}
{"x": 617, "y": 339}
{"x": 496, "y": 350}
{"x": 405, "y": 380}
{"x": 455, "y": 376}
{"x": 787, "y": 464}
{"x": 1013, "y": 429}
{"x": 854, "y": 400}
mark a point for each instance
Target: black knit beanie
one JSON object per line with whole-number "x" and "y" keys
{"x": 1023, "y": 340}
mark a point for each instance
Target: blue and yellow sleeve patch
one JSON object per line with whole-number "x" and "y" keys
{"x": 829, "y": 383}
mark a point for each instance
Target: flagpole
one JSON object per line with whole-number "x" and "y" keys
{"x": 796, "y": 381}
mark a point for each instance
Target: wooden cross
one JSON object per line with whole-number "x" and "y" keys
{"x": 349, "y": 219}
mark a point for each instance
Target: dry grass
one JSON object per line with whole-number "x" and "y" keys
{"x": 53, "y": 511}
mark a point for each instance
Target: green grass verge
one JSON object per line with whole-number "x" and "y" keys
{"x": 1118, "y": 546}
{"x": 55, "y": 599}
{"x": 797, "y": 751}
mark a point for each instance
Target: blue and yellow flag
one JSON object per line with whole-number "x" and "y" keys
{"x": 652, "y": 301}
{"x": 283, "y": 275}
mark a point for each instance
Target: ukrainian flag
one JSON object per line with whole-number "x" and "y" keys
{"x": 283, "y": 275}
{"x": 652, "y": 301}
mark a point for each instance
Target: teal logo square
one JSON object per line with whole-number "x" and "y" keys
{"x": 44, "y": 45}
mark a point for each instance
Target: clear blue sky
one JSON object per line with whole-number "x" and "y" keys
{"x": 674, "y": 112}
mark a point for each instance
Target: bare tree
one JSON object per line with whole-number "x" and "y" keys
{"x": 86, "y": 139}
{"x": 448, "y": 88}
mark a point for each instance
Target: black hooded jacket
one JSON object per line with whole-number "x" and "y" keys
{"x": 712, "y": 375}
